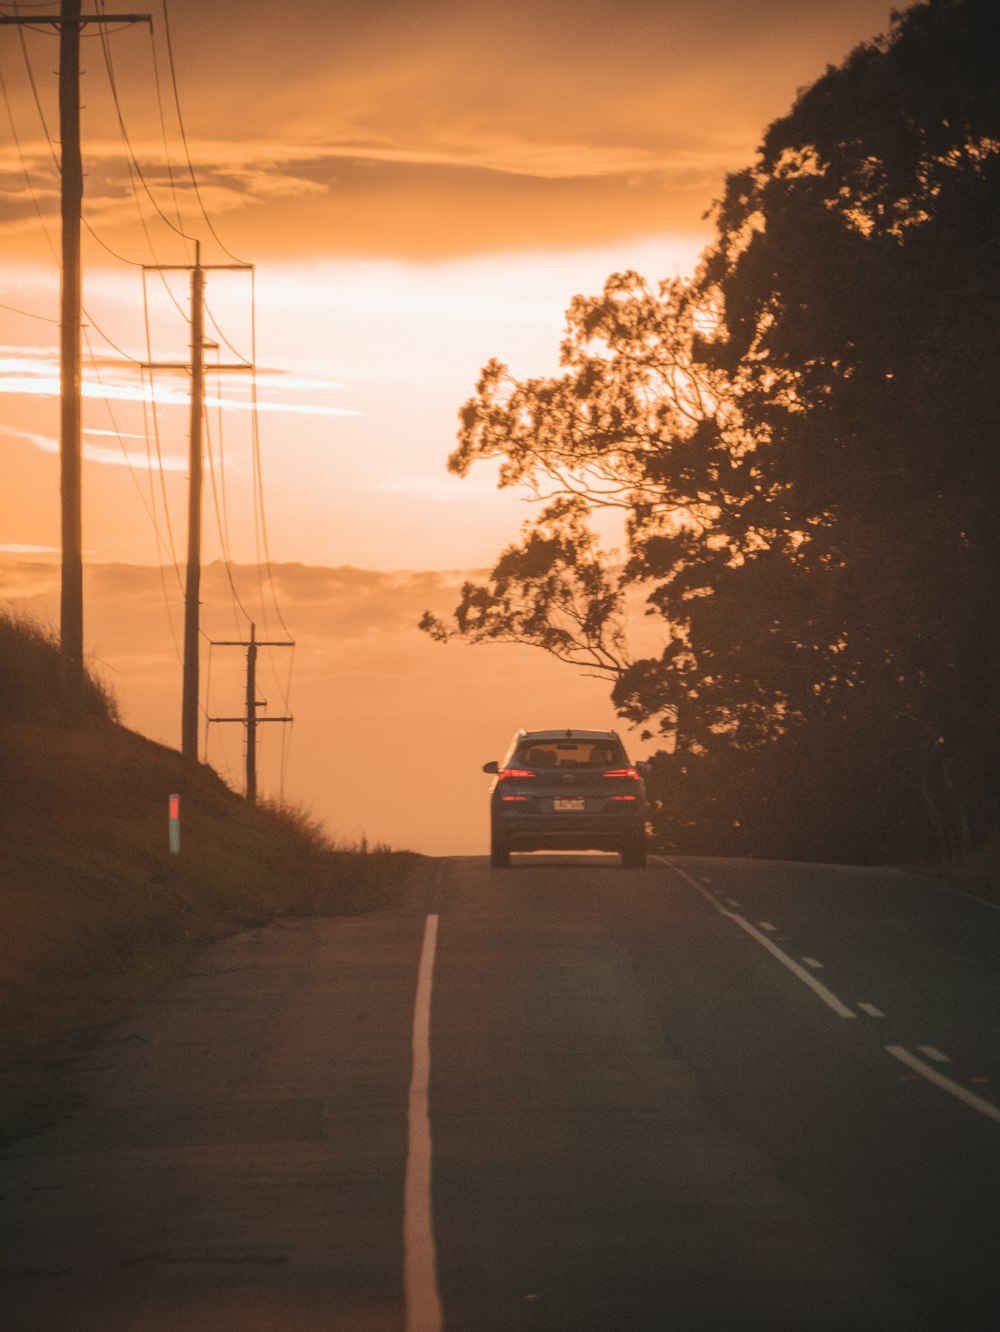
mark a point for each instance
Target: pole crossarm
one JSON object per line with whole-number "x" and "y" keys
{"x": 243, "y": 719}
{"x": 205, "y": 268}
{"x": 186, "y": 365}
{"x": 81, "y": 19}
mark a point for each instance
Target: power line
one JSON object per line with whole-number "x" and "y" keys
{"x": 222, "y": 520}
{"x": 140, "y": 183}
{"x": 37, "y": 99}
{"x": 32, "y": 82}
{"x": 130, "y": 152}
{"x": 184, "y": 138}
{"x": 24, "y": 168}
{"x": 156, "y": 431}
{"x": 260, "y": 536}
{"x": 28, "y": 313}
{"x": 163, "y": 128}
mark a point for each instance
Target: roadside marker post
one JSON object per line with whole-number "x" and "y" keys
{"x": 174, "y": 825}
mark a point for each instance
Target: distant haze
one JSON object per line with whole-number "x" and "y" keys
{"x": 391, "y": 729}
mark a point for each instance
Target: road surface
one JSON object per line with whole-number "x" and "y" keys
{"x": 567, "y": 1096}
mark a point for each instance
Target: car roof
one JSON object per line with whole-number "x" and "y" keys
{"x": 568, "y": 735}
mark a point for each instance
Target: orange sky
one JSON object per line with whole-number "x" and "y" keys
{"x": 391, "y": 729}
{"x": 420, "y": 186}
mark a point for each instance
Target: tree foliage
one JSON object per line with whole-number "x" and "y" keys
{"x": 553, "y": 592}
{"x": 803, "y": 442}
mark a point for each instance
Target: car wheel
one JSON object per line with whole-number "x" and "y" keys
{"x": 634, "y": 854}
{"x": 499, "y": 854}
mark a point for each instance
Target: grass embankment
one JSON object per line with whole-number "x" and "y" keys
{"x": 94, "y": 910}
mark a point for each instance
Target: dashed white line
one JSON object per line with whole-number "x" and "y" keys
{"x": 931, "y": 1074}
{"x": 814, "y": 963}
{"x": 946, "y": 1084}
{"x": 828, "y": 997}
{"x": 768, "y": 927}
{"x": 423, "y": 1302}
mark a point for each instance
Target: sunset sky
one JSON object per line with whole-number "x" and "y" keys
{"x": 420, "y": 187}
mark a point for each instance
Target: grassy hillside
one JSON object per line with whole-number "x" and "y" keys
{"x": 94, "y": 910}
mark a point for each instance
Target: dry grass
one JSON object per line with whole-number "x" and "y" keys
{"x": 29, "y": 674}
{"x": 95, "y": 911}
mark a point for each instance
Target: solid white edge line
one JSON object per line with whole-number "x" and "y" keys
{"x": 946, "y": 1084}
{"x": 423, "y": 1301}
{"x": 828, "y": 997}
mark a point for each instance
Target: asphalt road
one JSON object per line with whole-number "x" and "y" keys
{"x": 567, "y": 1096}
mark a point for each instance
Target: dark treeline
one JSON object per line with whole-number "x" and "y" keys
{"x": 803, "y": 440}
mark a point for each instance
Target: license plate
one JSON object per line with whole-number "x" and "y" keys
{"x": 567, "y": 805}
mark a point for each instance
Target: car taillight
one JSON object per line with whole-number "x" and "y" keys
{"x": 508, "y": 799}
{"x": 510, "y": 773}
{"x": 629, "y": 773}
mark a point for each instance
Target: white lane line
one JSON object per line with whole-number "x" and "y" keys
{"x": 934, "y": 1054}
{"x": 946, "y": 1084}
{"x": 814, "y": 963}
{"x": 423, "y": 1302}
{"x": 768, "y": 927}
{"x": 871, "y": 1010}
{"x": 828, "y": 997}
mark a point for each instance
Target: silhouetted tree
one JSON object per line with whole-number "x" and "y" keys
{"x": 553, "y": 592}
{"x": 804, "y": 443}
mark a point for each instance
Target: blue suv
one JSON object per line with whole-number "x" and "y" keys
{"x": 569, "y": 791}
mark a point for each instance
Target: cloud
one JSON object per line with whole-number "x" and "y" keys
{"x": 31, "y": 584}
{"x": 370, "y": 130}
{"x": 28, "y": 380}
{"x": 96, "y": 453}
{"x": 492, "y": 193}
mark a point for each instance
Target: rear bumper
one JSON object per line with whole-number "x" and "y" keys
{"x": 587, "y": 833}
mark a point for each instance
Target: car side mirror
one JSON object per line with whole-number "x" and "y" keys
{"x": 492, "y": 767}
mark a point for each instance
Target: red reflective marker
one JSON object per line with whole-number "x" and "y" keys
{"x": 174, "y": 824}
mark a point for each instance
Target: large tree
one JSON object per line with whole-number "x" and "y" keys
{"x": 803, "y": 442}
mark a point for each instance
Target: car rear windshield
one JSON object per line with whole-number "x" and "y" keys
{"x": 570, "y": 754}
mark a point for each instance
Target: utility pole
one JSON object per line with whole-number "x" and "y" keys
{"x": 192, "y": 578}
{"x": 69, "y": 21}
{"x": 192, "y": 583}
{"x": 250, "y": 719}
{"x": 70, "y": 314}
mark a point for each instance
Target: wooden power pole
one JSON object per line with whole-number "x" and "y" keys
{"x": 69, "y": 21}
{"x": 192, "y": 582}
{"x": 192, "y": 579}
{"x": 250, "y": 718}
{"x": 70, "y": 314}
